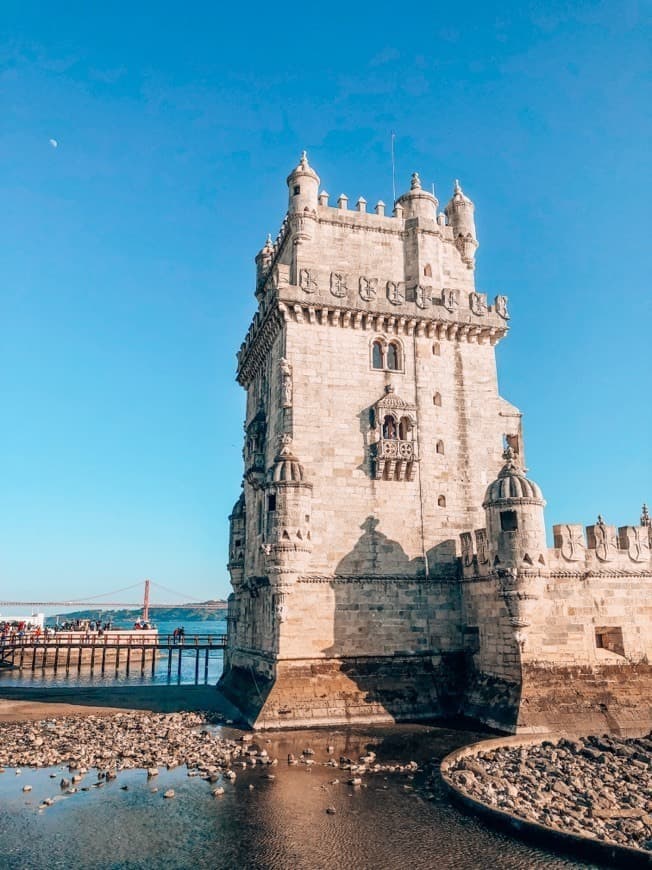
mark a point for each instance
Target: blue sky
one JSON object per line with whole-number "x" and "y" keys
{"x": 127, "y": 251}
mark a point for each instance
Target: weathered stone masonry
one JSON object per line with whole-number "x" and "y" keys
{"x": 374, "y": 438}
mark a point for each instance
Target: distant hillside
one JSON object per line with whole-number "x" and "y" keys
{"x": 195, "y": 612}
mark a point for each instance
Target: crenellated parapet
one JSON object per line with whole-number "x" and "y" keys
{"x": 601, "y": 547}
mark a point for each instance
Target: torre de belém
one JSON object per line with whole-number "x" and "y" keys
{"x": 388, "y": 553}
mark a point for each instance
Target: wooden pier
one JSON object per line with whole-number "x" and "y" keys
{"x": 112, "y": 651}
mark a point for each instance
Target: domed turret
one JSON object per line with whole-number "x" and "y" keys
{"x": 515, "y": 523}
{"x": 303, "y": 187}
{"x": 286, "y": 467}
{"x": 237, "y": 533}
{"x": 289, "y": 505}
{"x": 417, "y": 202}
{"x": 264, "y": 259}
{"x": 460, "y": 214}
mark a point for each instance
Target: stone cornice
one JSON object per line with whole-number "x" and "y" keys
{"x": 267, "y": 323}
{"x": 556, "y": 574}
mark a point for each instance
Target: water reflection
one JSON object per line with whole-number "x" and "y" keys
{"x": 281, "y": 823}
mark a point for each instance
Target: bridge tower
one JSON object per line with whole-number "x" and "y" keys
{"x": 373, "y": 427}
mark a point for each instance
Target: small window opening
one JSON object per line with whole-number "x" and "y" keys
{"x": 440, "y": 447}
{"x": 393, "y": 357}
{"x": 237, "y": 542}
{"x": 436, "y": 349}
{"x": 508, "y": 521}
{"x": 307, "y": 518}
{"x": 436, "y": 400}
{"x": 271, "y": 502}
{"x": 377, "y": 355}
{"x": 441, "y": 501}
{"x": 389, "y": 428}
{"x": 297, "y": 189}
{"x": 427, "y": 270}
{"x": 260, "y": 517}
{"x": 610, "y": 638}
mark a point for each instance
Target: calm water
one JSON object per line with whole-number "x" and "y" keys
{"x": 215, "y": 664}
{"x": 281, "y": 824}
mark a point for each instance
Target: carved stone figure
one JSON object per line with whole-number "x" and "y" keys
{"x": 500, "y": 304}
{"x": 422, "y": 296}
{"x": 396, "y": 292}
{"x": 368, "y": 287}
{"x": 450, "y": 299}
{"x": 339, "y": 284}
{"x": 308, "y": 281}
{"x": 286, "y": 383}
{"x": 478, "y": 303}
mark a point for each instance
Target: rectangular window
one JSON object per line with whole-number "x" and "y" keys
{"x": 508, "y": 521}
{"x": 297, "y": 190}
{"x": 271, "y": 502}
{"x": 610, "y": 638}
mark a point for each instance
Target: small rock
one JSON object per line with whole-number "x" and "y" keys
{"x": 27, "y": 788}
{"x": 217, "y": 791}
{"x": 331, "y": 811}
{"x": 169, "y": 793}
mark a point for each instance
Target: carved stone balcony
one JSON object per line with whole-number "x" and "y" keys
{"x": 394, "y": 459}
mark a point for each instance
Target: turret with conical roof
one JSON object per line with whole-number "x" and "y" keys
{"x": 303, "y": 187}
{"x": 460, "y": 214}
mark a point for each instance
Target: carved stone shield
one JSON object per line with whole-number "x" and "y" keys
{"x": 500, "y": 304}
{"x": 450, "y": 299}
{"x": 422, "y": 296}
{"x": 467, "y": 549}
{"x": 368, "y": 287}
{"x": 339, "y": 284}
{"x": 308, "y": 280}
{"x": 478, "y": 303}
{"x": 396, "y": 292}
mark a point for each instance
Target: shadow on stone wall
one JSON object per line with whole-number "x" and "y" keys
{"x": 407, "y": 679}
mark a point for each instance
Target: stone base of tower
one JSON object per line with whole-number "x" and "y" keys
{"x": 345, "y": 691}
{"x": 591, "y": 699}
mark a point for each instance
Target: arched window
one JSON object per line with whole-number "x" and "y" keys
{"x": 436, "y": 349}
{"x": 436, "y": 400}
{"x": 377, "y": 355}
{"x": 404, "y": 428}
{"x": 389, "y": 428}
{"x": 441, "y": 501}
{"x": 393, "y": 357}
{"x": 427, "y": 270}
{"x": 440, "y": 447}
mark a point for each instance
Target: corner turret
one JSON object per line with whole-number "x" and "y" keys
{"x": 303, "y": 187}
{"x": 417, "y": 202}
{"x": 460, "y": 213}
{"x": 515, "y": 523}
{"x": 264, "y": 259}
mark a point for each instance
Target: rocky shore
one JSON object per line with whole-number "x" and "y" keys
{"x": 118, "y": 742}
{"x": 599, "y": 787}
{"x": 155, "y": 741}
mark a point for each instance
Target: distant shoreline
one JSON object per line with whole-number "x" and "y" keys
{"x": 201, "y": 612}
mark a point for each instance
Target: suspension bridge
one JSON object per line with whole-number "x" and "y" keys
{"x": 106, "y": 600}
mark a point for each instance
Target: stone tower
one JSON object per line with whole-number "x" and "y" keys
{"x": 373, "y": 428}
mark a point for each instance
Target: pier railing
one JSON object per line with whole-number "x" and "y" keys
{"x": 108, "y": 650}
